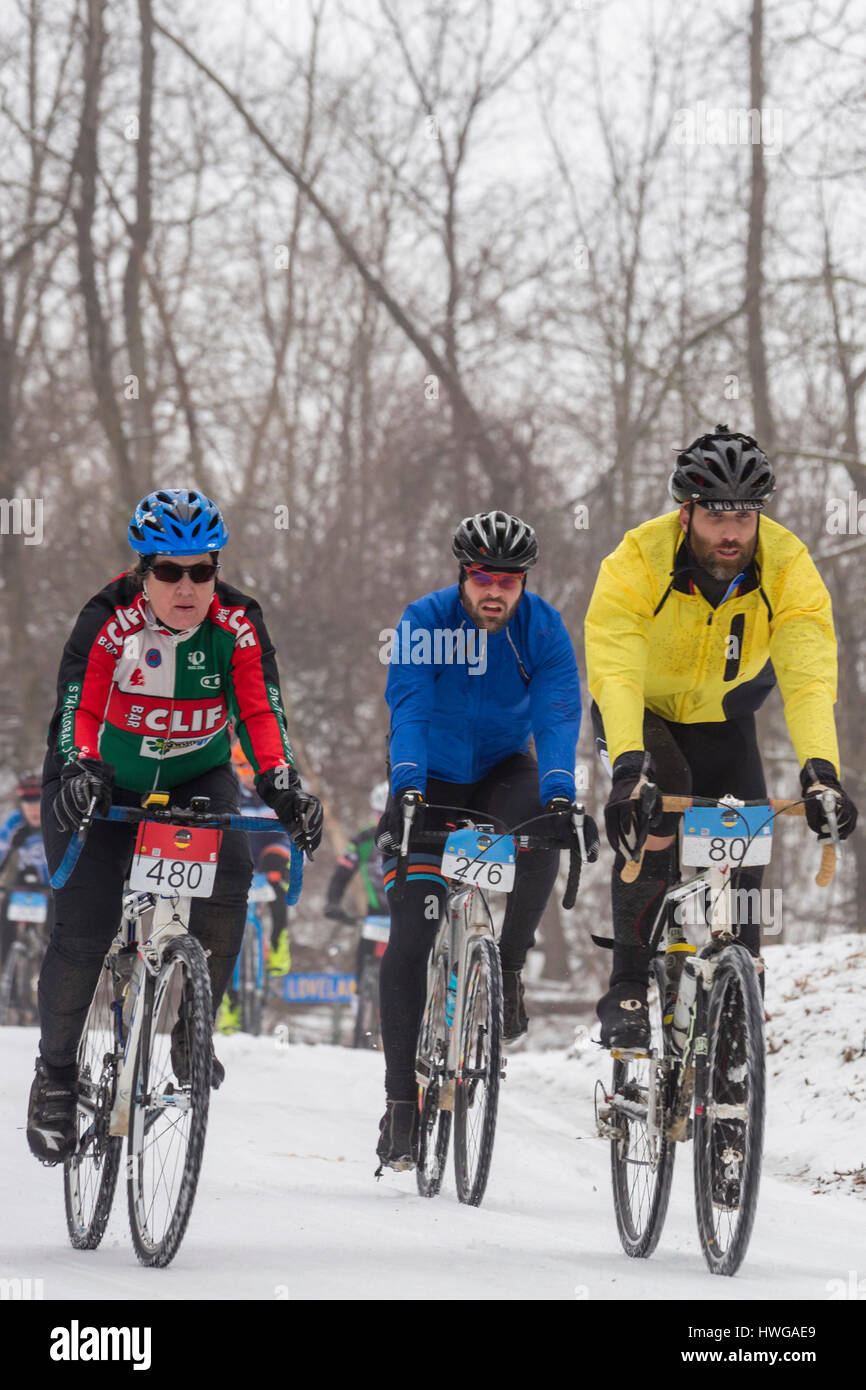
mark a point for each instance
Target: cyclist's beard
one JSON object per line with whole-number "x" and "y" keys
{"x": 721, "y": 566}
{"x": 484, "y": 620}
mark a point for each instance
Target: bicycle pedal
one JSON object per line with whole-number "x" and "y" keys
{"x": 629, "y": 1054}
{"x": 446, "y": 1095}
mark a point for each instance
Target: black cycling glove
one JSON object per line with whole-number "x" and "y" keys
{"x": 819, "y": 776}
{"x": 298, "y": 811}
{"x": 80, "y": 781}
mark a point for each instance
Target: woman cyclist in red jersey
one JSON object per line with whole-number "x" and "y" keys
{"x": 158, "y": 664}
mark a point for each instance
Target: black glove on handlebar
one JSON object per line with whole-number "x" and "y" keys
{"x": 80, "y": 781}
{"x": 389, "y": 831}
{"x": 819, "y": 776}
{"x": 562, "y": 827}
{"x": 624, "y": 822}
{"x": 298, "y": 811}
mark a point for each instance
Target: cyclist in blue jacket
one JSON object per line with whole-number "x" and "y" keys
{"x": 475, "y": 671}
{"x": 21, "y": 849}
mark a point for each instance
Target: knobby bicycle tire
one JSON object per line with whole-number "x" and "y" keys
{"x": 728, "y": 1147}
{"x": 367, "y": 1017}
{"x": 90, "y": 1175}
{"x": 168, "y": 1117}
{"x": 476, "y": 1095}
{"x": 642, "y": 1165}
{"x": 434, "y": 1123}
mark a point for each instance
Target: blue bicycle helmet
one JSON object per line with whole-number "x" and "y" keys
{"x": 179, "y": 521}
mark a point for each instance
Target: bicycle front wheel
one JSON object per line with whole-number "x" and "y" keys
{"x": 12, "y": 983}
{"x": 90, "y": 1175}
{"x": 477, "y": 1092}
{"x": 170, "y": 1098}
{"x": 434, "y": 1122}
{"x": 642, "y": 1157}
{"x": 729, "y": 1131}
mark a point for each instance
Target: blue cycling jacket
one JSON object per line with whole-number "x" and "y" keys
{"x": 461, "y": 700}
{"x": 27, "y": 843}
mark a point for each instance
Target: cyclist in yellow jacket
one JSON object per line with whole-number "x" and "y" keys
{"x": 694, "y": 618}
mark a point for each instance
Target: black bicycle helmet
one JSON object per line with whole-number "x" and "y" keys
{"x": 723, "y": 472}
{"x": 496, "y": 541}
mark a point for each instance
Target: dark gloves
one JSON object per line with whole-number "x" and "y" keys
{"x": 819, "y": 776}
{"x": 299, "y": 811}
{"x": 389, "y": 831}
{"x": 80, "y": 782}
{"x": 561, "y": 827}
{"x": 624, "y": 820}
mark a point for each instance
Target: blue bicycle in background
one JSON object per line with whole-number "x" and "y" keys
{"x": 249, "y": 984}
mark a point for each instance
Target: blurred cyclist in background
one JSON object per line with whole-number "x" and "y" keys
{"x": 271, "y": 853}
{"x": 21, "y": 849}
{"x": 361, "y": 855}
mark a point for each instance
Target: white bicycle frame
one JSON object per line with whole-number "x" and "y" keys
{"x": 170, "y": 919}
{"x": 461, "y": 928}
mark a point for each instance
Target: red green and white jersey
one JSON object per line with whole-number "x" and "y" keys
{"x": 156, "y": 704}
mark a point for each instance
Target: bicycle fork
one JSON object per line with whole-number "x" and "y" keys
{"x": 169, "y": 920}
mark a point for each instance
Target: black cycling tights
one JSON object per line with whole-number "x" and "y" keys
{"x": 509, "y": 792}
{"x": 708, "y": 759}
{"x": 87, "y": 909}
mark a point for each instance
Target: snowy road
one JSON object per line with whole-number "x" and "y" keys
{"x": 288, "y": 1208}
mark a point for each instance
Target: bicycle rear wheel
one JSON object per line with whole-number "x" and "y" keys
{"x": 729, "y": 1131}
{"x": 641, "y": 1156}
{"x": 170, "y": 1098}
{"x": 367, "y": 1017}
{"x": 90, "y": 1176}
{"x": 477, "y": 1092}
{"x": 434, "y": 1123}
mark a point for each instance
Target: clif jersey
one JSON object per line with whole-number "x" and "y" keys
{"x": 156, "y": 704}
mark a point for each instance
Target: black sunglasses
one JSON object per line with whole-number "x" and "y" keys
{"x": 167, "y": 572}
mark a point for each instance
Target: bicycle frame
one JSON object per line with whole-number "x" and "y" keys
{"x": 461, "y": 926}
{"x": 170, "y": 919}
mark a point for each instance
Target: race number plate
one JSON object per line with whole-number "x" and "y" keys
{"x": 260, "y": 890}
{"x": 723, "y": 837}
{"x": 27, "y": 907}
{"x": 175, "y": 859}
{"x": 376, "y": 928}
{"x": 481, "y": 857}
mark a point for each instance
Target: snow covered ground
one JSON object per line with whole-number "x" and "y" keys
{"x": 288, "y": 1208}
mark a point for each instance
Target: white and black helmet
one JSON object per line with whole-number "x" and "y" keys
{"x": 723, "y": 472}
{"x": 496, "y": 541}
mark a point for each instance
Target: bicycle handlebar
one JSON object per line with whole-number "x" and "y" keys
{"x": 780, "y": 807}
{"x": 576, "y": 849}
{"x": 179, "y": 815}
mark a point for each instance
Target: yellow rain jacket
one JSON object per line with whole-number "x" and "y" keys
{"x": 653, "y": 641}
